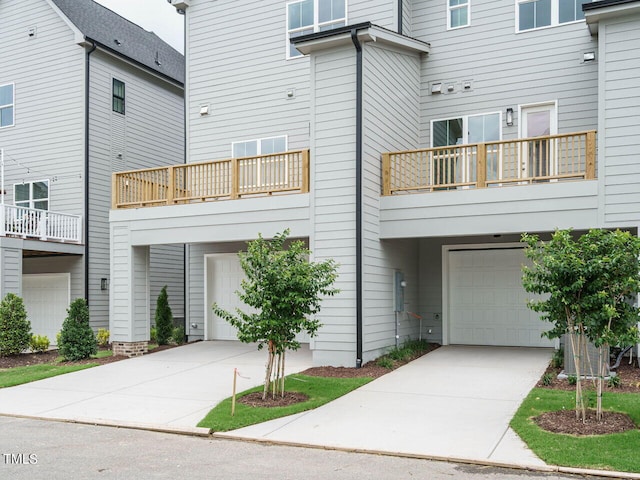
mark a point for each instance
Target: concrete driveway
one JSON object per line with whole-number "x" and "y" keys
{"x": 454, "y": 403}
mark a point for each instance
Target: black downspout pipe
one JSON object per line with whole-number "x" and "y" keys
{"x": 185, "y": 256}
{"x": 86, "y": 170}
{"x": 400, "y": 16}
{"x": 356, "y": 43}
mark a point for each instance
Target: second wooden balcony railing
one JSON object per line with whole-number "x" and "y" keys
{"x": 480, "y": 165}
{"x": 233, "y": 178}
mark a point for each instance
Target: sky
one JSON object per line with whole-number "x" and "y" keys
{"x": 157, "y": 16}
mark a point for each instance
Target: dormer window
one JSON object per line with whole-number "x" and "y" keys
{"x": 310, "y": 16}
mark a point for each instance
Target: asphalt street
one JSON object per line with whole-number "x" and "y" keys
{"x": 33, "y": 449}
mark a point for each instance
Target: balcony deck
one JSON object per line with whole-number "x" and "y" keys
{"x": 233, "y": 178}
{"x": 550, "y": 158}
{"x": 38, "y": 224}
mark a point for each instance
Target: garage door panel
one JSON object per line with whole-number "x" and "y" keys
{"x": 487, "y": 303}
{"x": 46, "y": 299}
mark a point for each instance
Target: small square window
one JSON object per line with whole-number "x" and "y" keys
{"x": 118, "y": 96}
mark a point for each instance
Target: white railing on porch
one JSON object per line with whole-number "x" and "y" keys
{"x": 40, "y": 224}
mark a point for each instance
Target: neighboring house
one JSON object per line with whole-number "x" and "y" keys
{"x": 83, "y": 93}
{"x": 411, "y": 141}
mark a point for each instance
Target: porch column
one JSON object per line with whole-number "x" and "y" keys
{"x": 129, "y": 294}
{"x": 10, "y": 266}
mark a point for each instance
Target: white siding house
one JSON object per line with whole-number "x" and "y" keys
{"x": 69, "y": 69}
{"x": 404, "y": 139}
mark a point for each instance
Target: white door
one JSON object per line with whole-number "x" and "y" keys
{"x": 46, "y": 299}
{"x": 487, "y": 303}
{"x": 538, "y": 155}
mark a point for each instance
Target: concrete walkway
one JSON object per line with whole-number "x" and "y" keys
{"x": 453, "y": 403}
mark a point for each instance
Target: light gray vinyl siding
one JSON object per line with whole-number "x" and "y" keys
{"x": 506, "y": 69}
{"x": 148, "y": 135}
{"x": 391, "y": 102}
{"x": 167, "y": 268}
{"x": 620, "y": 118}
{"x": 46, "y": 142}
{"x": 407, "y": 16}
{"x": 333, "y": 198}
{"x": 10, "y": 270}
{"x": 140, "y": 293}
{"x": 383, "y": 13}
{"x": 121, "y": 293}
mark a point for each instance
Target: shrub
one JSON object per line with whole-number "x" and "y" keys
{"x": 77, "y": 340}
{"x": 400, "y": 353}
{"x": 614, "y": 381}
{"x": 178, "y": 335}
{"x": 15, "y": 329}
{"x": 557, "y": 361}
{"x": 547, "y": 379}
{"x": 58, "y": 336}
{"x": 164, "y": 318}
{"x": 153, "y": 335}
{"x": 39, "y": 344}
{"x": 572, "y": 379}
{"x": 103, "y": 337}
{"x": 385, "y": 362}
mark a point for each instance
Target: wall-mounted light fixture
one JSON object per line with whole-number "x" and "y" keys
{"x": 588, "y": 56}
{"x": 104, "y": 284}
{"x": 509, "y": 117}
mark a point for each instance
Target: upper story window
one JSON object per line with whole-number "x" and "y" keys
{"x": 484, "y": 127}
{"x": 458, "y": 14}
{"x": 309, "y": 16}
{"x": 6, "y": 105}
{"x": 118, "y": 96}
{"x": 260, "y": 146}
{"x": 532, "y": 14}
{"x": 32, "y": 194}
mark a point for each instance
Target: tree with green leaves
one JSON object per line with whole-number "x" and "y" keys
{"x": 163, "y": 318}
{"x": 15, "y": 329}
{"x": 77, "y": 340}
{"x": 285, "y": 289}
{"x": 590, "y": 286}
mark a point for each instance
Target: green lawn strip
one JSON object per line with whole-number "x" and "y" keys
{"x": 606, "y": 452}
{"x": 320, "y": 390}
{"x": 11, "y": 377}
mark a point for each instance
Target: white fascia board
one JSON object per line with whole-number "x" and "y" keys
{"x": 593, "y": 17}
{"x": 78, "y": 36}
{"x": 371, "y": 34}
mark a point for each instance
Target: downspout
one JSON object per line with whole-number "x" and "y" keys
{"x": 86, "y": 169}
{"x": 356, "y": 43}
{"x": 185, "y": 248}
{"x": 400, "y": 17}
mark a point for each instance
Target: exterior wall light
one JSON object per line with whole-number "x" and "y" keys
{"x": 588, "y": 56}
{"x": 509, "y": 117}
{"x": 104, "y": 284}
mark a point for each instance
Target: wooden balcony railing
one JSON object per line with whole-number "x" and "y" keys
{"x": 509, "y": 162}
{"x": 220, "y": 179}
{"x": 40, "y": 224}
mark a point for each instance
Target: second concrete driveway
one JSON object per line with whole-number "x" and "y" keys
{"x": 454, "y": 403}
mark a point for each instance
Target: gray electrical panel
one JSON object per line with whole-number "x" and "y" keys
{"x": 399, "y": 291}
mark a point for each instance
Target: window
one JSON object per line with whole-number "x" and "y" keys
{"x": 458, "y": 13}
{"x": 261, "y": 146}
{"x": 6, "y": 105}
{"x": 532, "y": 14}
{"x": 118, "y": 96}
{"x": 309, "y": 16}
{"x": 32, "y": 194}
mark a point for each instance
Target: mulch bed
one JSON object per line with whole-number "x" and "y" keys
{"x": 629, "y": 380}
{"x": 289, "y": 398}
{"x": 564, "y": 421}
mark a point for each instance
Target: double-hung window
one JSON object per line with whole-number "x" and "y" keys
{"x": 310, "y": 16}
{"x": 533, "y": 14}
{"x": 6, "y": 105}
{"x": 458, "y": 164}
{"x": 118, "y": 96}
{"x": 265, "y": 170}
{"x": 32, "y": 194}
{"x": 458, "y": 13}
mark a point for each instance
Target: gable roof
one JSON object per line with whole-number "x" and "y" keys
{"x": 122, "y": 37}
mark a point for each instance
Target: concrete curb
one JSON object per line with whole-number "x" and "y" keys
{"x": 208, "y": 433}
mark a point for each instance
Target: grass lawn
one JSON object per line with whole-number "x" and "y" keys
{"x": 606, "y": 452}
{"x": 320, "y": 390}
{"x": 11, "y": 377}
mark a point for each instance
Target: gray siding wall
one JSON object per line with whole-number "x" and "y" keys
{"x": 391, "y": 102}
{"x": 149, "y": 134}
{"x": 10, "y": 271}
{"x": 620, "y": 118}
{"x": 506, "y": 69}
{"x": 46, "y": 142}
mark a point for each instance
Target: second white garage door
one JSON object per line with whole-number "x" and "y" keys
{"x": 46, "y": 299}
{"x": 487, "y": 303}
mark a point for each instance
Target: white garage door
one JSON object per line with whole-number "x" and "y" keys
{"x": 224, "y": 275}
{"x": 487, "y": 304}
{"x": 46, "y": 299}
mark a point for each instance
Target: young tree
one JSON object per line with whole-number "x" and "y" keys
{"x": 15, "y": 329}
{"x": 164, "y": 318}
{"x": 77, "y": 340}
{"x": 591, "y": 283}
{"x": 285, "y": 289}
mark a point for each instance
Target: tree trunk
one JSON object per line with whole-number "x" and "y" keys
{"x": 269, "y": 370}
{"x": 601, "y": 373}
{"x": 576, "y": 346}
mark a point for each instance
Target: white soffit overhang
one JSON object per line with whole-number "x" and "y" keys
{"x": 594, "y": 16}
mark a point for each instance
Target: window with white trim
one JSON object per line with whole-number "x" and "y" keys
{"x": 259, "y": 146}
{"x": 533, "y": 14}
{"x": 32, "y": 194}
{"x": 6, "y": 105}
{"x": 458, "y": 13}
{"x": 263, "y": 171}
{"x": 310, "y": 16}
